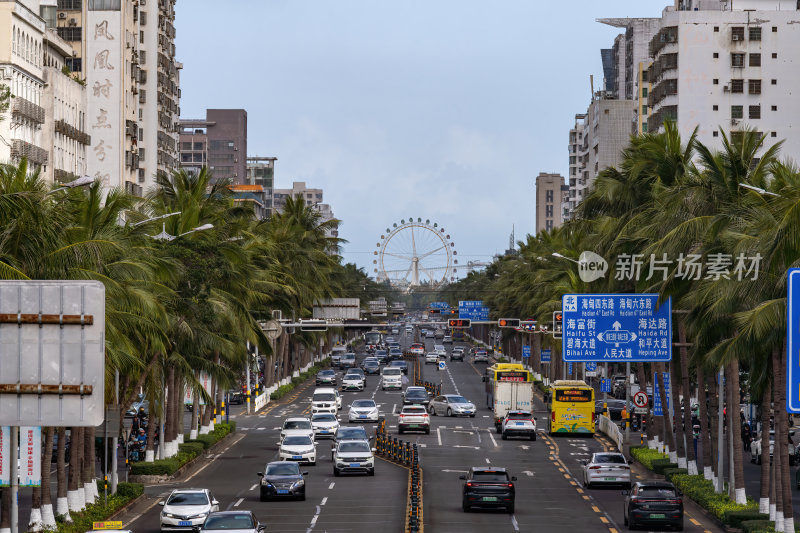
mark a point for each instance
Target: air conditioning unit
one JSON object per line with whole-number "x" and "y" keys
{"x": 62, "y": 15}
{"x": 73, "y": 22}
{"x": 735, "y": 38}
{"x": 726, "y": 89}
{"x": 142, "y": 2}
{"x": 734, "y": 122}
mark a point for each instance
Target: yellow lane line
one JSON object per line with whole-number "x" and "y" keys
{"x": 604, "y": 520}
{"x": 693, "y": 521}
{"x": 595, "y": 509}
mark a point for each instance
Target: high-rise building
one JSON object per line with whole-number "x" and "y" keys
{"x": 159, "y": 91}
{"x": 549, "y": 198}
{"x": 219, "y": 142}
{"x": 733, "y": 65}
{"x": 298, "y": 190}
{"x": 261, "y": 171}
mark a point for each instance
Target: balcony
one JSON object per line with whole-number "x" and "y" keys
{"x": 657, "y": 119}
{"x": 664, "y": 63}
{"x": 662, "y": 90}
{"x": 661, "y": 39}
{"x": 133, "y": 189}
{"x": 34, "y": 154}
{"x": 72, "y": 132}
{"x": 27, "y": 109}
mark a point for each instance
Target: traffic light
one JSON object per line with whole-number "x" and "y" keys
{"x": 459, "y": 323}
{"x": 557, "y": 324}
{"x": 508, "y": 323}
{"x": 528, "y": 325}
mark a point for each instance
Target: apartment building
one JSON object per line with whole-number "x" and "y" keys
{"x": 298, "y": 190}
{"x": 549, "y": 197}
{"x": 261, "y": 172}
{"x": 730, "y": 65}
{"x": 218, "y": 142}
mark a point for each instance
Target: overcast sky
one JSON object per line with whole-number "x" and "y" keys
{"x": 439, "y": 109}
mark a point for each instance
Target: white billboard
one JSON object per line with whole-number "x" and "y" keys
{"x": 5, "y": 456}
{"x": 337, "y": 309}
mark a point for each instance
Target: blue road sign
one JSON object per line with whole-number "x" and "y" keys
{"x": 526, "y": 352}
{"x": 793, "y": 342}
{"x": 439, "y": 305}
{"x": 616, "y": 327}
{"x": 441, "y": 365}
{"x": 569, "y": 368}
{"x": 605, "y": 385}
{"x": 591, "y": 367}
{"x": 545, "y": 356}
{"x": 657, "y": 411}
{"x": 473, "y": 309}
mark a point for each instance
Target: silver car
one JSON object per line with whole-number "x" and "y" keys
{"x": 363, "y": 411}
{"x": 605, "y": 469}
{"x": 185, "y": 508}
{"x": 451, "y": 405}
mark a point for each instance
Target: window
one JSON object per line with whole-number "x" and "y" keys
{"x": 774, "y": 82}
{"x": 186, "y": 146}
{"x": 774, "y": 55}
{"x": 548, "y": 211}
{"x": 715, "y": 81}
{"x": 548, "y": 196}
{"x": 737, "y": 33}
{"x": 197, "y": 146}
{"x": 716, "y": 55}
{"x": 186, "y": 158}
{"x": 644, "y": 92}
{"x": 141, "y": 37}
{"x": 715, "y": 107}
{"x": 755, "y": 60}
{"x": 644, "y": 127}
{"x": 737, "y": 111}
{"x": 716, "y": 29}
{"x": 715, "y": 134}
{"x": 70, "y": 33}
{"x": 773, "y": 134}
{"x": 737, "y": 60}
{"x": 754, "y": 86}
{"x": 72, "y": 5}
{"x": 737, "y": 86}
{"x": 104, "y": 5}
{"x": 644, "y": 110}
{"x": 755, "y": 111}
{"x": 774, "y": 29}
{"x": 548, "y": 225}
{"x": 774, "y": 108}
{"x": 197, "y": 157}
{"x": 755, "y": 33}
{"x": 142, "y": 18}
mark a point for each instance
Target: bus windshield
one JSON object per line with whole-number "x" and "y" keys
{"x": 372, "y": 337}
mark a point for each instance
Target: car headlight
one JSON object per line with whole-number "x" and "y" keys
{"x": 200, "y": 515}
{"x": 298, "y": 484}
{"x": 266, "y": 483}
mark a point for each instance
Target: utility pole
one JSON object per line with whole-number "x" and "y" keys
{"x": 247, "y": 369}
{"x": 627, "y": 403}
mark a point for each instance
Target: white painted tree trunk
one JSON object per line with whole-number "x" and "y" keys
{"x": 779, "y": 521}
{"x": 180, "y": 438}
{"x": 691, "y": 466}
{"x": 773, "y": 507}
{"x": 35, "y": 523}
{"x": 88, "y": 496}
{"x": 741, "y": 497}
{"x": 48, "y": 518}
{"x": 763, "y": 505}
{"x": 708, "y": 473}
{"x": 682, "y": 463}
{"x": 193, "y": 434}
{"x": 788, "y": 524}
{"x": 211, "y": 425}
{"x": 149, "y": 456}
{"x": 5, "y": 530}
{"x": 62, "y": 508}
{"x": 673, "y": 457}
{"x": 76, "y": 500}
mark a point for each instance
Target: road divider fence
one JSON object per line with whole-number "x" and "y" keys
{"x": 406, "y": 454}
{"x": 610, "y": 429}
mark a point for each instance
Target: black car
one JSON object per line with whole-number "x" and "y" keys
{"x": 402, "y": 365}
{"x": 231, "y": 520}
{"x": 372, "y": 367}
{"x": 395, "y": 354}
{"x": 653, "y": 502}
{"x": 282, "y": 479}
{"x": 382, "y": 356}
{"x": 326, "y": 377}
{"x": 416, "y": 396}
{"x": 486, "y": 486}
{"x": 235, "y": 396}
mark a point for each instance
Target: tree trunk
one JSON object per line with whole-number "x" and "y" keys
{"x": 89, "y": 466}
{"x": 195, "y": 412}
{"x": 48, "y": 517}
{"x": 764, "y": 500}
{"x": 669, "y": 436}
{"x": 62, "y": 505}
{"x": 150, "y": 447}
{"x": 169, "y": 412}
{"x": 705, "y": 433}
{"x": 676, "y": 384}
{"x": 736, "y": 435}
{"x": 777, "y": 458}
{"x": 783, "y": 447}
{"x": 35, "y": 522}
{"x": 5, "y": 515}
{"x": 713, "y": 419}
{"x": 76, "y": 498}
{"x": 686, "y": 391}
{"x": 641, "y": 376}
{"x": 178, "y": 428}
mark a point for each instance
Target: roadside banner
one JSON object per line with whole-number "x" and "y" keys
{"x": 30, "y": 456}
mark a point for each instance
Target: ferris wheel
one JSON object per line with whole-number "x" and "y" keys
{"x": 414, "y": 253}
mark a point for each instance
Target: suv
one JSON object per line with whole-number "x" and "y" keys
{"x": 326, "y": 400}
{"x": 353, "y": 456}
{"x": 347, "y": 360}
{"x": 414, "y": 417}
{"x": 519, "y": 424}
{"x": 481, "y": 356}
{"x": 391, "y": 378}
{"x": 485, "y": 486}
{"x": 448, "y": 339}
{"x": 186, "y": 508}
{"x": 650, "y": 502}
{"x": 457, "y": 354}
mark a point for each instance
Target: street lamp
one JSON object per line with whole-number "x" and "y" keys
{"x": 164, "y": 236}
{"x": 759, "y": 190}
{"x": 556, "y": 254}
{"x": 80, "y": 182}
{"x": 155, "y": 218}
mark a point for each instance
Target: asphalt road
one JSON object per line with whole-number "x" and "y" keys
{"x": 549, "y": 495}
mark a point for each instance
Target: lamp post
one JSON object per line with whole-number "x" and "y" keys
{"x": 80, "y": 182}
{"x": 155, "y": 218}
{"x": 759, "y": 190}
{"x": 164, "y": 236}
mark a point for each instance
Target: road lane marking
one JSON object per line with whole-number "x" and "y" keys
{"x": 492, "y": 437}
{"x": 595, "y": 509}
{"x": 330, "y": 487}
{"x": 514, "y": 523}
{"x": 693, "y": 521}
{"x": 585, "y": 497}
{"x": 254, "y": 487}
{"x": 604, "y": 520}
{"x": 238, "y": 502}
{"x": 488, "y": 462}
{"x": 439, "y": 435}
{"x": 324, "y": 501}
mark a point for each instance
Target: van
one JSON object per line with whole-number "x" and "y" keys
{"x": 325, "y": 400}
{"x": 336, "y": 354}
{"x": 391, "y": 378}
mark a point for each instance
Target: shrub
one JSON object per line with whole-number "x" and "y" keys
{"x": 669, "y": 472}
{"x": 130, "y": 490}
{"x": 659, "y": 465}
{"x": 701, "y": 491}
{"x": 281, "y": 392}
{"x": 191, "y": 447}
{"x": 737, "y": 518}
{"x": 757, "y": 526}
{"x": 97, "y": 512}
{"x": 206, "y": 441}
{"x": 160, "y": 467}
{"x": 646, "y": 455}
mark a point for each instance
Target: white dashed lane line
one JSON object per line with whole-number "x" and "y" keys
{"x": 254, "y": 487}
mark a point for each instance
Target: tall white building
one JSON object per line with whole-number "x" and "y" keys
{"x": 730, "y": 65}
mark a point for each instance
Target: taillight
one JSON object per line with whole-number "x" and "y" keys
{"x": 511, "y": 485}
{"x": 594, "y": 468}
{"x": 593, "y": 415}
{"x": 469, "y": 484}
{"x": 636, "y": 500}
{"x": 553, "y": 416}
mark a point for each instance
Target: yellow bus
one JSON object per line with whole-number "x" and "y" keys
{"x": 571, "y": 407}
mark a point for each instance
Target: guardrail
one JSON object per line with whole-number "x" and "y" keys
{"x": 406, "y": 454}
{"x": 606, "y": 426}
{"x": 261, "y": 401}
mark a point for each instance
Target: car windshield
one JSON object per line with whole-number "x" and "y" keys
{"x": 656, "y": 492}
{"x": 457, "y": 399}
{"x": 414, "y": 411}
{"x": 323, "y": 417}
{"x": 489, "y": 476}
{"x": 399, "y": 363}
{"x": 351, "y": 433}
{"x": 519, "y": 416}
{"x": 297, "y": 440}
{"x": 327, "y": 373}
{"x": 393, "y": 371}
{"x": 188, "y": 498}
{"x": 352, "y": 376}
{"x": 348, "y": 447}
{"x": 297, "y": 424}
{"x": 364, "y": 403}
{"x": 371, "y": 363}
{"x": 609, "y": 458}
{"x": 324, "y": 397}
{"x": 283, "y": 469}
{"x": 416, "y": 394}
{"x": 227, "y": 521}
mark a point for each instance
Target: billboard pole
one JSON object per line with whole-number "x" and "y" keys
{"x": 14, "y": 479}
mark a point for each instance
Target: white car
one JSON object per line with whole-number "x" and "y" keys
{"x": 324, "y": 425}
{"x": 414, "y": 417}
{"x": 300, "y": 448}
{"x": 417, "y": 349}
{"x": 447, "y": 339}
{"x": 296, "y": 426}
{"x": 185, "y": 508}
{"x": 518, "y": 424}
{"x": 440, "y": 349}
{"x": 353, "y": 382}
{"x": 363, "y": 411}
{"x": 391, "y": 378}
{"x": 432, "y": 358}
{"x": 606, "y": 468}
{"x": 326, "y": 400}
{"x": 353, "y": 456}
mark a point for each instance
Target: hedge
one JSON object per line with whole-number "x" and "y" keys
{"x": 669, "y": 472}
{"x": 757, "y": 526}
{"x": 646, "y": 455}
{"x": 97, "y": 512}
{"x": 659, "y": 465}
{"x": 542, "y": 387}
{"x": 186, "y": 452}
{"x": 737, "y": 518}
{"x": 283, "y": 390}
{"x": 701, "y": 490}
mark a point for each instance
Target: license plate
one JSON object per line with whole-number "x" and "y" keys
{"x": 297, "y": 457}
{"x": 652, "y": 515}
{"x": 355, "y": 465}
{"x": 362, "y": 416}
{"x": 519, "y": 423}
{"x": 324, "y": 431}
{"x": 610, "y": 478}
{"x": 283, "y": 491}
{"x": 413, "y": 425}
{"x": 185, "y": 523}
{"x": 490, "y": 498}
